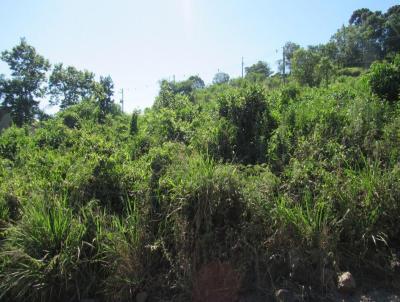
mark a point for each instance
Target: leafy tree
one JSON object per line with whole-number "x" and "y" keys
{"x": 165, "y": 96}
{"x": 288, "y": 50}
{"x": 347, "y": 41}
{"x": 188, "y": 86}
{"x": 258, "y": 72}
{"x": 20, "y": 94}
{"x": 169, "y": 89}
{"x": 328, "y": 50}
{"x": 220, "y": 78}
{"x": 304, "y": 66}
{"x": 392, "y": 30}
{"x": 369, "y": 36}
{"x": 325, "y": 70}
{"x": 103, "y": 92}
{"x": 197, "y": 82}
{"x": 134, "y": 122}
{"x": 360, "y": 16}
{"x": 108, "y": 87}
{"x": 68, "y": 86}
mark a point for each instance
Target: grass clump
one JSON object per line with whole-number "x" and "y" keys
{"x": 41, "y": 254}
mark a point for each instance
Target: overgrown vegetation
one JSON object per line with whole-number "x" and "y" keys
{"x": 267, "y": 182}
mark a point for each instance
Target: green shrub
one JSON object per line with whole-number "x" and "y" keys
{"x": 248, "y": 112}
{"x": 204, "y": 215}
{"x": 350, "y": 71}
{"x": 71, "y": 120}
{"x": 12, "y": 141}
{"x": 384, "y": 79}
{"x": 52, "y": 135}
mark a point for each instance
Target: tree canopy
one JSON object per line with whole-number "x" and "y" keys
{"x": 68, "y": 86}
{"x": 258, "y": 71}
{"x": 20, "y": 94}
{"x": 220, "y": 78}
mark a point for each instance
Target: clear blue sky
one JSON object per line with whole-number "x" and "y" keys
{"x": 140, "y": 42}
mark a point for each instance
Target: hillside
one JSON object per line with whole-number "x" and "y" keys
{"x": 216, "y": 193}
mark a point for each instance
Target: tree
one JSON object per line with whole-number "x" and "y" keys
{"x": 220, "y": 78}
{"x": 169, "y": 89}
{"x": 188, "y": 86}
{"x": 165, "y": 97}
{"x": 360, "y": 16}
{"x": 68, "y": 86}
{"x": 288, "y": 50}
{"x": 108, "y": 86}
{"x": 197, "y": 82}
{"x": 20, "y": 94}
{"x": 104, "y": 90}
{"x": 325, "y": 70}
{"x": 258, "y": 72}
{"x": 134, "y": 122}
{"x": 364, "y": 40}
{"x": 304, "y": 66}
{"x": 392, "y": 30}
{"x": 347, "y": 41}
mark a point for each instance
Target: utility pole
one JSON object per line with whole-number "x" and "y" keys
{"x": 122, "y": 100}
{"x": 242, "y": 67}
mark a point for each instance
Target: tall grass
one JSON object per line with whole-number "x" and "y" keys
{"x": 42, "y": 252}
{"x": 123, "y": 255}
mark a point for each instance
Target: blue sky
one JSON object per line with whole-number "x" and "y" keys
{"x": 139, "y": 43}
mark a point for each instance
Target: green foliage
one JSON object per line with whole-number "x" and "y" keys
{"x": 281, "y": 181}
{"x": 12, "y": 141}
{"x": 202, "y": 205}
{"x": 350, "y": 72}
{"x": 258, "y": 72}
{"x": 71, "y": 120}
{"x": 288, "y": 50}
{"x": 169, "y": 90}
{"x": 68, "y": 86}
{"x": 42, "y": 253}
{"x": 369, "y": 36}
{"x": 247, "y": 110}
{"x": 122, "y": 248}
{"x": 325, "y": 70}
{"x": 384, "y": 79}
{"x": 220, "y": 78}
{"x": 134, "y": 122}
{"x": 304, "y": 64}
{"x": 20, "y": 93}
{"x": 103, "y": 92}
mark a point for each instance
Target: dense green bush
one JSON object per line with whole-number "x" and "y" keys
{"x": 248, "y": 112}
{"x": 384, "y": 79}
{"x": 12, "y": 141}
